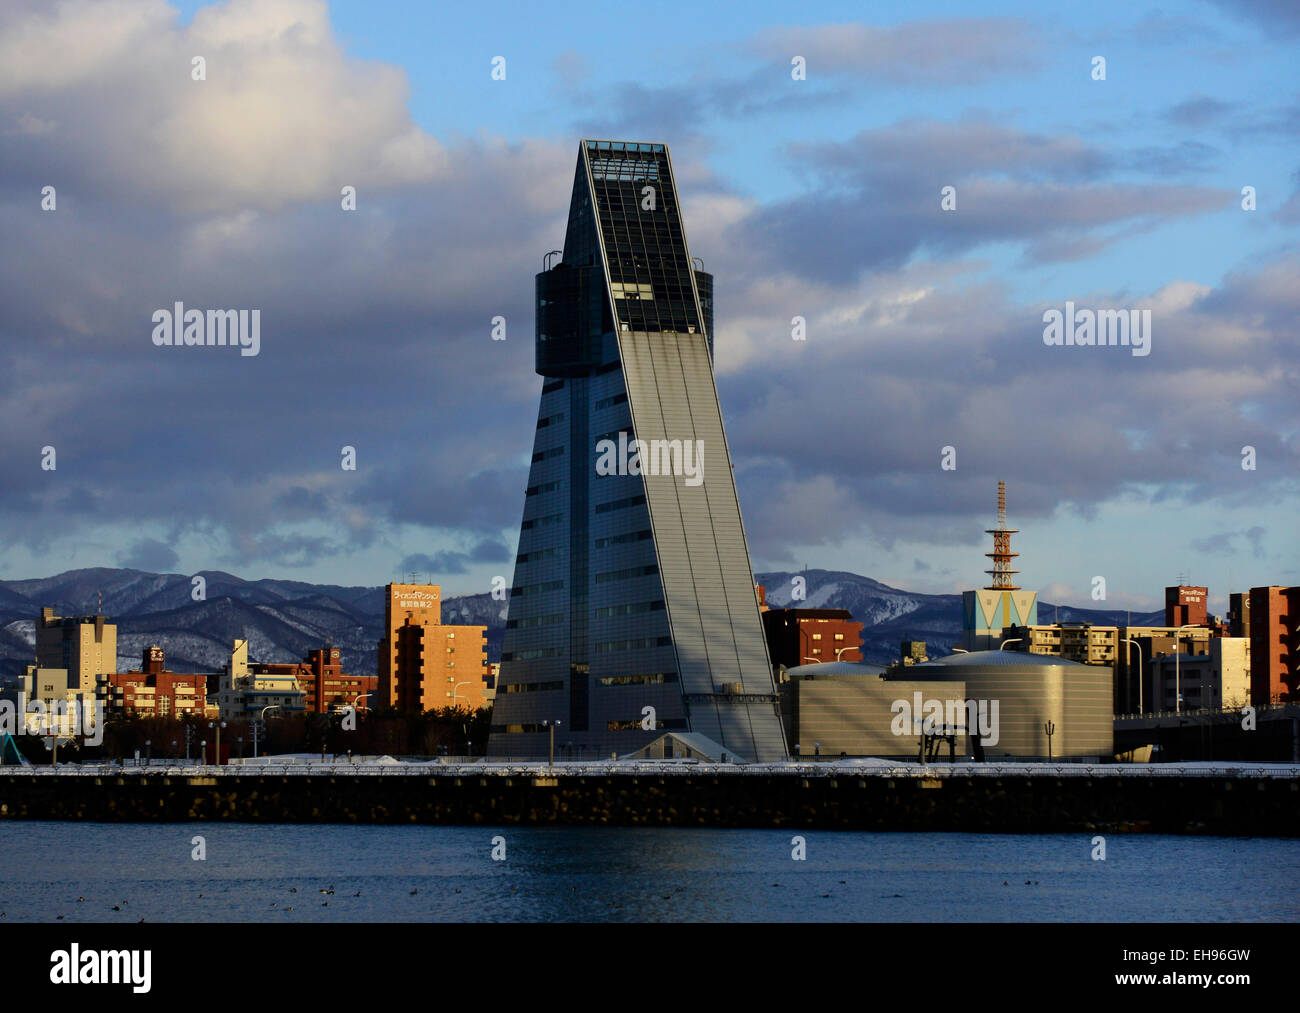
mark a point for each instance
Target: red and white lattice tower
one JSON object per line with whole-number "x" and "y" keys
{"x": 1002, "y": 555}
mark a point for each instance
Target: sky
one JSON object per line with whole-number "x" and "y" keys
{"x": 813, "y": 195}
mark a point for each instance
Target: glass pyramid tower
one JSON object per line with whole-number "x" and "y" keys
{"x": 632, "y": 611}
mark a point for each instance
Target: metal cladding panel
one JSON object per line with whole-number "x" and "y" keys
{"x": 703, "y": 562}
{"x": 858, "y": 715}
{"x": 1076, "y": 700}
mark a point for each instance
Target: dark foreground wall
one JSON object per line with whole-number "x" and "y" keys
{"x": 1233, "y": 805}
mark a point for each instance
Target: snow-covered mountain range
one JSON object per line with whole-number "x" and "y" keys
{"x": 283, "y": 619}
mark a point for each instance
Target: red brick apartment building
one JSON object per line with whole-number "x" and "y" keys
{"x": 153, "y": 691}
{"x": 806, "y": 636}
{"x": 320, "y": 675}
{"x": 1274, "y": 613}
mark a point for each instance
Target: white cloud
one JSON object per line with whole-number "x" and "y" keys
{"x": 283, "y": 115}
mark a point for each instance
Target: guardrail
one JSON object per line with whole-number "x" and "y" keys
{"x": 1235, "y": 712}
{"x": 643, "y": 768}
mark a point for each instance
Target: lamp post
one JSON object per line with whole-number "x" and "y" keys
{"x": 203, "y": 751}
{"x": 815, "y": 661}
{"x": 841, "y": 650}
{"x": 453, "y": 693}
{"x": 240, "y": 740}
{"x": 218, "y": 725}
{"x": 148, "y": 751}
{"x": 551, "y": 725}
{"x": 1013, "y": 640}
{"x": 262, "y": 722}
{"x": 1178, "y": 682}
{"x": 1049, "y": 729}
{"x": 1132, "y": 644}
{"x": 960, "y": 650}
{"x": 359, "y": 698}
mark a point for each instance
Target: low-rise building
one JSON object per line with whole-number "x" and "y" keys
{"x": 244, "y": 693}
{"x": 1085, "y": 643}
{"x": 851, "y": 709}
{"x": 321, "y": 677}
{"x": 152, "y": 691}
{"x": 798, "y": 636}
{"x": 1135, "y": 690}
{"x": 1217, "y": 679}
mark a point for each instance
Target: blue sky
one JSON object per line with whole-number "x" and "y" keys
{"x": 816, "y": 197}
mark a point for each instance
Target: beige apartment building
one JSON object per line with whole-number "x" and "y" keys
{"x": 1081, "y": 642}
{"x": 84, "y": 646}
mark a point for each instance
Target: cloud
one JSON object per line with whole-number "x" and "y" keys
{"x": 1200, "y": 111}
{"x": 452, "y": 562}
{"x": 1222, "y": 543}
{"x": 874, "y": 202}
{"x": 1274, "y": 17}
{"x": 376, "y": 323}
{"x": 151, "y": 555}
{"x": 952, "y": 51}
{"x": 282, "y": 116}
{"x": 897, "y": 366}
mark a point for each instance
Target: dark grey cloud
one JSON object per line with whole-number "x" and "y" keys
{"x": 874, "y": 202}
{"x": 376, "y": 323}
{"x": 453, "y": 562}
{"x": 1225, "y": 542}
{"x": 440, "y": 562}
{"x": 887, "y": 384}
{"x": 151, "y": 555}
{"x": 942, "y": 52}
{"x": 1274, "y": 17}
{"x": 1201, "y": 111}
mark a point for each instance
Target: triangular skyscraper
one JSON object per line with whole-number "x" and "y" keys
{"x": 632, "y": 586}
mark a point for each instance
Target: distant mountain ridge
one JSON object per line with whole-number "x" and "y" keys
{"x": 890, "y": 616}
{"x": 283, "y": 619}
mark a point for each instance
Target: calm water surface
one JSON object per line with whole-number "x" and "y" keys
{"x": 266, "y": 872}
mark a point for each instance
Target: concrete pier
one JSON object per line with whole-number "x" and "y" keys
{"x": 1247, "y": 800}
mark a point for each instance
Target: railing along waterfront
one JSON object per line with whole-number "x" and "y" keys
{"x": 643, "y": 768}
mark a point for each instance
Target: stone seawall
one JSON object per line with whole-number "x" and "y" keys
{"x": 1016, "y": 803}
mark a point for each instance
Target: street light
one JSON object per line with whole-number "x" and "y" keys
{"x": 453, "y": 694}
{"x": 1013, "y": 640}
{"x": 218, "y": 725}
{"x": 360, "y": 697}
{"x": 551, "y": 725}
{"x": 1178, "y": 684}
{"x": 203, "y": 750}
{"x": 960, "y": 650}
{"x": 262, "y": 721}
{"x": 841, "y": 650}
{"x": 815, "y": 661}
{"x": 1132, "y": 644}
{"x": 148, "y": 751}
